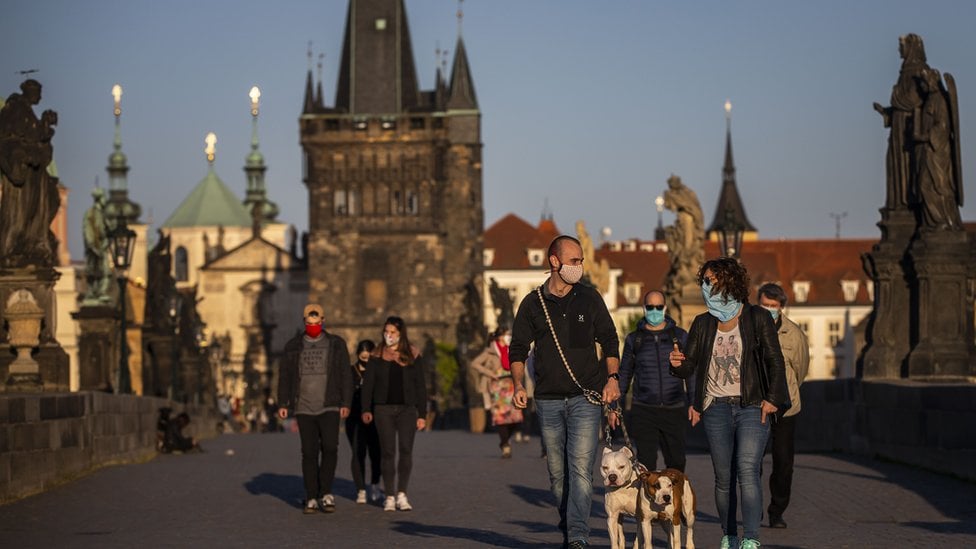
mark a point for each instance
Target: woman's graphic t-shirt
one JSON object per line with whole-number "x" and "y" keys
{"x": 723, "y": 369}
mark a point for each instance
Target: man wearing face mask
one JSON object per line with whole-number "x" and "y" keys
{"x": 565, "y": 320}
{"x": 796, "y": 352}
{"x": 662, "y": 404}
{"x": 315, "y": 385}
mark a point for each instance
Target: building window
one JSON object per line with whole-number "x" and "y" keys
{"x": 801, "y": 290}
{"x": 833, "y": 333}
{"x": 181, "y": 265}
{"x": 413, "y": 203}
{"x": 804, "y": 325}
{"x": 632, "y": 292}
{"x": 488, "y": 257}
{"x": 332, "y": 125}
{"x": 417, "y": 123}
{"x": 380, "y": 24}
{"x": 535, "y": 257}
{"x": 850, "y": 287}
{"x": 396, "y": 204}
{"x": 339, "y": 203}
{"x": 388, "y": 124}
{"x": 375, "y": 294}
{"x": 360, "y": 124}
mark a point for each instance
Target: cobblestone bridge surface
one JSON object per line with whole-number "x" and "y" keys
{"x": 245, "y": 490}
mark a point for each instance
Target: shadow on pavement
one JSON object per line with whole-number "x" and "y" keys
{"x": 464, "y": 535}
{"x": 288, "y": 488}
{"x": 533, "y": 496}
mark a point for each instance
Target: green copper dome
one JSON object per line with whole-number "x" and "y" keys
{"x": 210, "y": 203}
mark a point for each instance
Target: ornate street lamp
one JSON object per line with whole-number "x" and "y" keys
{"x": 175, "y": 306}
{"x": 730, "y": 232}
{"x": 120, "y": 244}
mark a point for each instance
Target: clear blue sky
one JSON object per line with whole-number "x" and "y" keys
{"x": 589, "y": 104}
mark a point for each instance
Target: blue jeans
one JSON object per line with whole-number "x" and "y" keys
{"x": 571, "y": 432}
{"x": 737, "y": 441}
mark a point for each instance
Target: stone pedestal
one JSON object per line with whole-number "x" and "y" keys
{"x": 889, "y": 332}
{"x": 97, "y": 347}
{"x": 52, "y": 362}
{"x": 158, "y": 363}
{"x": 944, "y": 348}
{"x": 689, "y": 303}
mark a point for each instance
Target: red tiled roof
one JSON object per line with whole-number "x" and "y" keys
{"x": 511, "y": 236}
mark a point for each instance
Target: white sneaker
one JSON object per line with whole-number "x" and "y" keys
{"x": 311, "y": 506}
{"x": 375, "y": 494}
{"x": 361, "y": 496}
{"x": 401, "y": 502}
{"x": 389, "y": 504}
{"x": 328, "y": 503}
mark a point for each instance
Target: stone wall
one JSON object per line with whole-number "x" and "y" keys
{"x": 48, "y": 438}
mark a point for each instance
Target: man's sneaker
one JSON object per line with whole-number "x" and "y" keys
{"x": 729, "y": 542}
{"x": 328, "y": 503}
{"x": 375, "y": 494}
{"x": 311, "y": 507}
{"x": 402, "y": 503}
{"x": 361, "y": 496}
{"x": 748, "y": 543}
{"x": 389, "y": 504}
{"x": 776, "y": 522}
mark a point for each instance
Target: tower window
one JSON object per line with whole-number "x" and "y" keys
{"x": 396, "y": 206}
{"x": 417, "y": 123}
{"x": 360, "y": 124}
{"x": 332, "y": 125}
{"x": 388, "y": 124}
{"x": 180, "y": 266}
{"x": 380, "y": 24}
{"x": 413, "y": 203}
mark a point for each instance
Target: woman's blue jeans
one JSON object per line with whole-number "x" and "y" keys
{"x": 737, "y": 441}
{"x": 571, "y": 432}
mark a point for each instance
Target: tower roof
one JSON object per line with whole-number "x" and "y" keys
{"x": 462, "y": 94}
{"x": 210, "y": 203}
{"x": 729, "y": 208}
{"x": 377, "y": 73}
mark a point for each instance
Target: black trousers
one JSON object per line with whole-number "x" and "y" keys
{"x": 781, "y": 478}
{"x": 505, "y": 432}
{"x": 397, "y": 427}
{"x": 363, "y": 440}
{"x": 320, "y": 436}
{"x": 653, "y": 426}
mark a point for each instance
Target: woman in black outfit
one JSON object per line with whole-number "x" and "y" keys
{"x": 395, "y": 394}
{"x": 363, "y": 438}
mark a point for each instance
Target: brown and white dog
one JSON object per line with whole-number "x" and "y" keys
{"x": 622, "y": 497}
{"x": 672, "y": 501}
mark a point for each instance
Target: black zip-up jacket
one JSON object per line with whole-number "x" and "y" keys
{"x": 755, "y": 324}
{"x": 580, "y": 319}
{"x": 648, "y": 367}
{"x": 376, "y": 384}
{"x": 338, "y": 388}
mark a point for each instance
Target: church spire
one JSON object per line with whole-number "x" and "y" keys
{"x": 462, "y": 95}
{"x": 118, "y": 169}
{"x": 254, "y": 167}
{"x": 309, "y": 103}
{"x": 729, "y": 213}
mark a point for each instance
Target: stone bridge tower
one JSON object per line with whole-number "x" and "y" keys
{"x": 394, "y": 183}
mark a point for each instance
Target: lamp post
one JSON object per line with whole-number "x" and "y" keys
{"x": 730, "y": 235}
{"x": 120, "y": 242}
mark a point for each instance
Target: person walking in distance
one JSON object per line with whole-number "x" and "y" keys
{"x": 565, "y": 320}
{"x": 395, "y": 395}
{"x": 494, "y": 364}
{"x": 796, "y": 352}
{"x": 740, "y": 385}
{"x": 363, "y": 438}
{"x": 315, "y": 385}
{"x": 661, "y": 407}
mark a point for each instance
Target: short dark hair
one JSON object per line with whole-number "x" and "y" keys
{"x": 773, "y": 291}
{"x": 556, "y": 245}
{"x": 731, "y": 278}
{"x": 366, "y": 345}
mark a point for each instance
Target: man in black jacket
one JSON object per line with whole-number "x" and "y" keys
{"x": 315, "y": 385}
{"x": 565, "y": 320}
{"x": 662, "y": 404}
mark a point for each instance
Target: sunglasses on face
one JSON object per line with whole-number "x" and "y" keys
{"x": 653, "y": 307}
{"x": 313, "y": 314}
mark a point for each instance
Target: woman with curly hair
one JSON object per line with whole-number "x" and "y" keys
{"x": 741, "y": 385}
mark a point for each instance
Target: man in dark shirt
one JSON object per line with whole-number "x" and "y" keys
{"x": 565, "y": 320}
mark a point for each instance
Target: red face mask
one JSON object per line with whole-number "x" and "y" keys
{"x": 313, "y": 330}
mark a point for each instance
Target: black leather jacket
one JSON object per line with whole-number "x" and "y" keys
{"x": 755, "y": 325}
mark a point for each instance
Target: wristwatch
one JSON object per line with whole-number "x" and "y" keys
{"x": 614, "y": 375}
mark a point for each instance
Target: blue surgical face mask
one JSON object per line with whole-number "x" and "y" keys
{"x": 773, "y": 311}
{"x": 721, "y": 307}
{"x": 654, "y": 317}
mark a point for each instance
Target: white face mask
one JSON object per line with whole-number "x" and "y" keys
{"x": 507, "y": 340}
{"x": 391, "y": 340}
{"x": 571, "y": 274}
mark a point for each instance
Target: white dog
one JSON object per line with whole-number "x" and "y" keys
{"x": 672, "y": 501}
{"x": 623, "y": 497}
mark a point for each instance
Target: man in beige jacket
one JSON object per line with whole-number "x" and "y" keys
{"x": 796, "y": 351}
